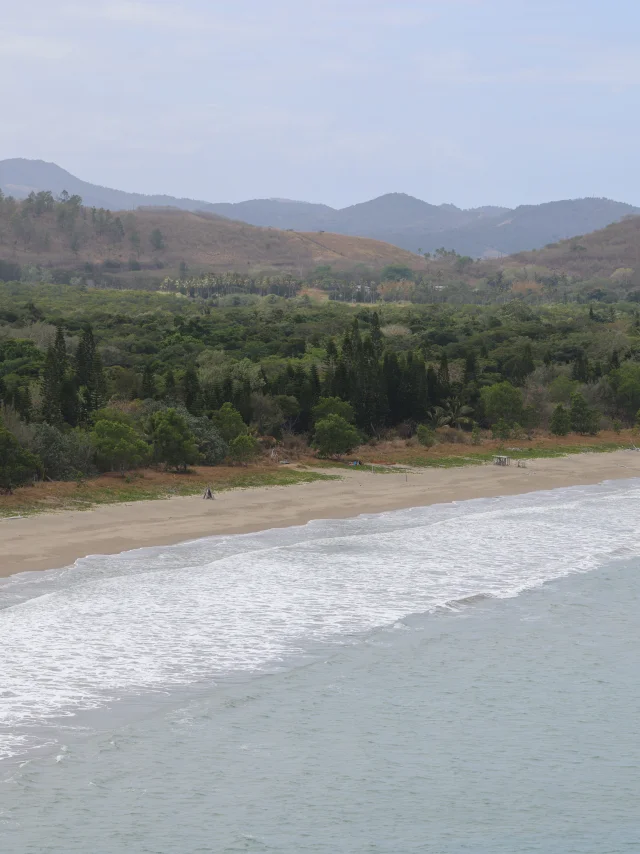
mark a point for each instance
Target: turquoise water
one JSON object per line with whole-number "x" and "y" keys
{"x": 454, "y": 679}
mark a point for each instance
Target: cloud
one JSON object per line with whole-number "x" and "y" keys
{"x": 33, "y": 47}
{"x": 163, "y": 15}
{"x": 580, "y": 67}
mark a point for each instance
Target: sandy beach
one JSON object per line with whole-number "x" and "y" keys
{"x": 54, "y": 540}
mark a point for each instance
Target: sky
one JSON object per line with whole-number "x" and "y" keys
{"x": 470, "y": 102}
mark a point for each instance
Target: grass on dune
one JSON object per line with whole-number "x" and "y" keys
{"x": 84, "y": 495}
{"x": 467, "y": 458}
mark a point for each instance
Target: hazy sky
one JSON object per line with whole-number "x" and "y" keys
{"x": 465, "y": 101}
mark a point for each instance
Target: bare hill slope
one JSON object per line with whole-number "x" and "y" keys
{"x": 600, "y": 254}
{"x": 69, "y": 236}
{"x": 397, "y": 218}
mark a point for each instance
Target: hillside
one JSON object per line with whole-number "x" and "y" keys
{"x": 396, "y": 218}
{"x": 604, "y": 253}
{"x": 72, "y": 237}
{"x": 531, "y": 227}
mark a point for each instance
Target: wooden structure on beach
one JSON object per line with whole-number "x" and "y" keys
{"x": 501, "y": 461}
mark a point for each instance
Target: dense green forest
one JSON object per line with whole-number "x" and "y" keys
{"x": 110, "y": 380}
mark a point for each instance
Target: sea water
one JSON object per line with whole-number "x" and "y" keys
{"x": 456, "y": 678}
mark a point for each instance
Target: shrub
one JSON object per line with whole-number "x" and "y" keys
{"x": 334, "y": 436}
{"x": 17, "y": 465}
{"x": 426, "y": 436}
{"x": 501, "y": 430}
{"x": 244, "y": 448}
{"x": 560, "y": 422}
{"x": 64, "y": 455}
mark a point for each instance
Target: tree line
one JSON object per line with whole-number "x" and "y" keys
{"x": 109, "y": 381}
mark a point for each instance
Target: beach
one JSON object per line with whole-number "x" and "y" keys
{"x": 55, "y": 540}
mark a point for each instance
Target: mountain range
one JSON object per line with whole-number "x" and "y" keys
{"x": 395, "y": 218}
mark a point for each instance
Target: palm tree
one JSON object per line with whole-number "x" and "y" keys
{"x": 453, "y": 413}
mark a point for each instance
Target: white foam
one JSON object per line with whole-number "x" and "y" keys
{"x": 157, "y": 618}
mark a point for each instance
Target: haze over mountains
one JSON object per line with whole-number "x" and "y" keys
{"x": 395, "y": 218}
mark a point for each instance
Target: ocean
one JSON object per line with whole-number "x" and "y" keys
{"x": 446, "y": 679}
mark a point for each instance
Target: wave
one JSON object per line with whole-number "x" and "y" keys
{"x": 154, "y": 619}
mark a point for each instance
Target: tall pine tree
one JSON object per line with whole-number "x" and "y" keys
{"x": 90, "y": 379}
{"x": 148, "y": 383}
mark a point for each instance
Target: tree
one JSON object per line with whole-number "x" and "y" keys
{"x": 244, "y": 448}
{"x": 333, "y": 406}
{"x": 376, "y": 336}
{"x": 334, "y": 436}
{"x": 148, "y": 383}
{"x": 172, "y": 442}
{"x": 229, "y": 422}
{"x": 397, "y": 273}
{"x": 452, "y": 413}
{"x": 583, "y": 419}
{"x": 118, "y": 446}
{"x": 51, "y": 408}
{"x": 625, "y": 383}
{"x": 502, "y": 401}
{"x": 65, "y": 455}
{"x": 470, "y": 367}
{"x": 17, "y": 465}
{"x": 169, "y": 386}
{"x": 157, "y": 239}
{"x": 90, "y": 379}
{"x": 443, "y": 372}
{"x": 560, "y": 421}
{"x": 267, "y": 413}
{"x": 191, "y": 391}
{"x": 211, "y": 446}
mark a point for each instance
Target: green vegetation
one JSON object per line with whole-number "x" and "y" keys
{"x": 17, "y": 465}
{"x": 334, "y": 436}
{"x": 97, "y": 380}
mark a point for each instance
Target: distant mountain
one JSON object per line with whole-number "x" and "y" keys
{"x": 530, "y": 226}
{"x": 18, "y": 177}
{"x": 395, "y": 218}
{"x": 278, "y": 213}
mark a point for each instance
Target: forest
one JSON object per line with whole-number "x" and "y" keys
{"x": 105, "y": 380}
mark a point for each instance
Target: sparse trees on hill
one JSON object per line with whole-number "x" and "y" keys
{"x": 157, "y": 240}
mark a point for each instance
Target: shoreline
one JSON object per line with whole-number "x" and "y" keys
{"x": 56, "y": 540}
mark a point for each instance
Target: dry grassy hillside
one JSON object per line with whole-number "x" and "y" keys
{"x": 126, "y": 243}
{"x": 603, "y": 253}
